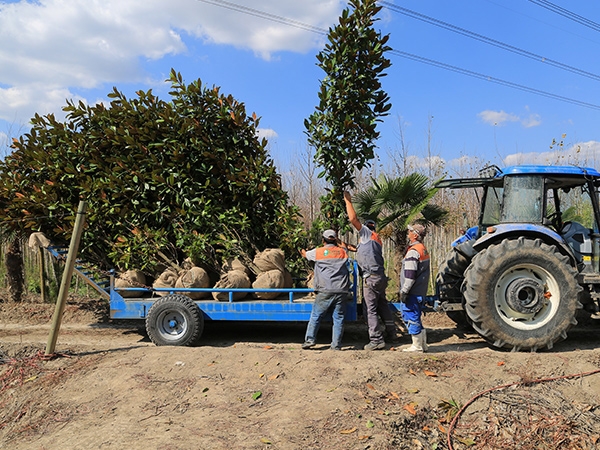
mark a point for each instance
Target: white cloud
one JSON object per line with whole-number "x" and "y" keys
{"x": 68, "y": 44}
{"x": 500, "y": 118}
{"x": 25, "y": 101}
{"x": 466, "y": 166}
{"x": 245, "y": 30}
{"x": 266, "y": 133}
{"x": 581, "y": 154}
{"x": 433, "y": 165}
{"x": 80, "y": 43}
{"x": 533, "y": 120}
{"x": 497, "y": 117}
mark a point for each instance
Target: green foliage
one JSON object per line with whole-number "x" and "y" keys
{"x": 292, "y": 237}
{"x": 396, "y": 202}
{"x": 179, "y": 178}
{"x": 582, "y": 213}
{"x": 351, "y": 101}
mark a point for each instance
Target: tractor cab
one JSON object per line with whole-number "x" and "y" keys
{"x": 558, "y": 203}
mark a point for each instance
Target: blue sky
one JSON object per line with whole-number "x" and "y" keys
{"x": 79, "y": 49}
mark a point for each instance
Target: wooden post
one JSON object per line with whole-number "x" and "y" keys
{"x": 42, "y": 274}
{"x": 66, "y": 279}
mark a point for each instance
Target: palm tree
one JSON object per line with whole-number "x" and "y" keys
{"x": 396, "y": 202}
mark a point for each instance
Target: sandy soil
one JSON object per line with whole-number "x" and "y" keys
{"x": 250, "y": 386}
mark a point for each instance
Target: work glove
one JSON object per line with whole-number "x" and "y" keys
{"x": 402, "y": 297}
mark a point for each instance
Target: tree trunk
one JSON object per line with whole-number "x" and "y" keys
{"x": 400, "y": 247}
{"x": 14, "y": 270}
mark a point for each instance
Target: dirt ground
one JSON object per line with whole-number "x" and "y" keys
{"x": 250, "y": 386}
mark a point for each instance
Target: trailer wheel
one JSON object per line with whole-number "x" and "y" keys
{"x": 521, "y": 294}
{"x": 175, "y": 320}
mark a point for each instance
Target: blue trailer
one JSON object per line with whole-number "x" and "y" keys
{"x": 176, "y": 319}
{"x": 173, "y": 318}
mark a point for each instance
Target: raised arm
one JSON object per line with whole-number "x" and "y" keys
{"x": 352, "y": 217}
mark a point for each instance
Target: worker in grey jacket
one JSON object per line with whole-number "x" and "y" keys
{"x": 332, "y": 286}
{"x": 369, "y": 256}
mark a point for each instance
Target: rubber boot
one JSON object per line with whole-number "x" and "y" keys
{"x": 417, "y": 343}
{"x": 424, "y": 340}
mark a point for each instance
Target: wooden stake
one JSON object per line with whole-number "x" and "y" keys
{"x": 66, "y": 279}
{"x": 42, "y": 274}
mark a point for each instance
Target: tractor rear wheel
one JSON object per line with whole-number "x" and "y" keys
{"x": 521, "y": 294}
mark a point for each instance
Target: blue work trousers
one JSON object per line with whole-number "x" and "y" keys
{"x": 411, "y": 313}
{"x": 325, "y": 302}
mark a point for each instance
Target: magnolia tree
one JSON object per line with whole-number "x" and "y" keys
{"x": 163, "y": 180}
{"x": 351, "y": 103}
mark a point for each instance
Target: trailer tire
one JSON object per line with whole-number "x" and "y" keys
{"x": 521, "y": 294}
{"x": 175, "y": 320}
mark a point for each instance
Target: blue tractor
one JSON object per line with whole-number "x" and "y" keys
{"x": 521, "y": 275}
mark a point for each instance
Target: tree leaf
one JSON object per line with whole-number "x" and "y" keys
{"x": 410, "y": 407}
{"x": 467, "y": 441}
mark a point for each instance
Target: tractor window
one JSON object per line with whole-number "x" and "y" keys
{"x": 576, "y": 206}
{"x": 492, "y": 207}
{"x": 523, "y": 199}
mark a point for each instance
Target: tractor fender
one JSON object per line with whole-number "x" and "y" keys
{"x": 471, "y": 233}
{"x": 503, "y": 231}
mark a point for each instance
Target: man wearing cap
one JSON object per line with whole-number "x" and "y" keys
{"x": 414, "y": 280}
{"x": 369, "y": 255}
{"x": 332, "y": 285}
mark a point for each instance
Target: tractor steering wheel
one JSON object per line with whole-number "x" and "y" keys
{"x": 556, "y": 220}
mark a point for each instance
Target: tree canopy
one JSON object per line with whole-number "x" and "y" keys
{"x": 185, "y": 177}
{"x": 351, "y": 102}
